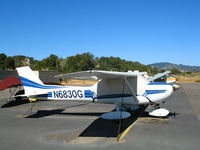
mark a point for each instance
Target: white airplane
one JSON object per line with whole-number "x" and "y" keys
{"x": 157, "y": 76}
{"x": 127, "y": 90}
{"x": 167, "y": 79}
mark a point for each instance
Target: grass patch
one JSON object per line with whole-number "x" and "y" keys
{"x": 193, "y": 75}
{"x": 189, "y": 78}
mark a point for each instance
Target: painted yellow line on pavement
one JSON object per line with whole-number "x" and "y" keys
{"x": 126, "y": 131}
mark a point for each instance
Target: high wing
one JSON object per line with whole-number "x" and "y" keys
{"x": 157, "y": 76}
{"x": 97, "y": 74}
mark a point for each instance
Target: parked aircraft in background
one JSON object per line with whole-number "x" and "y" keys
{"x": 159, "y": 76}
{"x": 162, "y": 77}
{"x": 127, "y": 90}
{"x": 171, "y": 79}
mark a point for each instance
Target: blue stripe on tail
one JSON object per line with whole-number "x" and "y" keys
{"x": 29, "y": 83}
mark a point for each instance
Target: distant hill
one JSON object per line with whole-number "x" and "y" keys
{"x": 166, "y": 65}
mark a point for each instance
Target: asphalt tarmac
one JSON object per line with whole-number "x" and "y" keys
{"x": 72, "y": 125}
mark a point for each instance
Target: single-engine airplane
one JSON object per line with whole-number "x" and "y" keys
{"x": 162, "y": 77}
{"x": 127, "y": 90}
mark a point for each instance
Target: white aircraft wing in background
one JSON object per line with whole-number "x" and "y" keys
{"x": 157, "y": 76}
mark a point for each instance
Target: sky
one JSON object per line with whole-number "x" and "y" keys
{"x": 147, "y": 31}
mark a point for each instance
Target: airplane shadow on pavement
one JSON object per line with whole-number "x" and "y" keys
{"x": 98, "y": 128}
{"x": 108, "y": 128}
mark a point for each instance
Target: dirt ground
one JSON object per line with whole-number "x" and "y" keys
{"x": 189, "y": 78}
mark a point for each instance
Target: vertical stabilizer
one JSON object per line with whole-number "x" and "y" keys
{"x": 29, "y": 80}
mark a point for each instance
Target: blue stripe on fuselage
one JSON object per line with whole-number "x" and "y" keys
{"x": 160, "y": 83}
{"x": 113, "y": 96}
{"x": 29, "y": 83}
{"x": 49, "y": 94}
{"x": 149, "y": 92}
{"x": 154, "y": 91}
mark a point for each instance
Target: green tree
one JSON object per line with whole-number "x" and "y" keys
{"x": 39, "y": 65}
{"x": 79, "y": 62}
{"x": 32, "y": 62}
{"x": 110, "y": 63}
{"x": 175, "y": 71}
{"x": 162, "y": 70}
{"x": 49, "y": 63}
{"x": 152, "y": 70}
{"x": 19, "y": 60}
{"x": 117, "y": 64}
{"x": 2, "y": 61}
{"x": 10, "y": 63}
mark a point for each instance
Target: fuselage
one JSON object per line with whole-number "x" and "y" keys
{"x": 154, "y": 92}
{"x": 112, "y": 87}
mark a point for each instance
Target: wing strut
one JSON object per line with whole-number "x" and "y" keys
{"x": 131, "y": 89}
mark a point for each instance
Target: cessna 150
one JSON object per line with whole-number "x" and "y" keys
{"x": 127, "y": 90}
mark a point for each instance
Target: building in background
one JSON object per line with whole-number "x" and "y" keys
{"x": 45, "y": 76}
